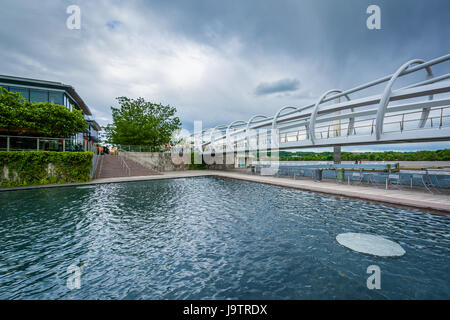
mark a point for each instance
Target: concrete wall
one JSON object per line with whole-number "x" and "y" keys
{"x": 23, "y": 168}
{"x": 160, "y": 161}
{"x": 239, "y": 161}
{"x": 220, "y": 166}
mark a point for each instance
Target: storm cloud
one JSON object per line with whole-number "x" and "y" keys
{"x": 283, "y": 85}
{"x": 216, "y": 61}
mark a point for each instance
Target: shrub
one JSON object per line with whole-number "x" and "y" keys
{"x": 44, "y": 167}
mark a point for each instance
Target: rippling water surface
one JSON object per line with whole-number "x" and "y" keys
{"x": 211, "y": 238}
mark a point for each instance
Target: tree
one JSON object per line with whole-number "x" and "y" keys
{"x": 439, "y": 155}
{"x": 139, "y": 122}
{"x": 43, "y": 118}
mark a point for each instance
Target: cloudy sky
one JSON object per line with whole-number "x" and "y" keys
{"x": 217, "y": 61}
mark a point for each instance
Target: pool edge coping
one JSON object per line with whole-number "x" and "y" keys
{"x": 399, "y": 202}
{"x": 408, "y": 204}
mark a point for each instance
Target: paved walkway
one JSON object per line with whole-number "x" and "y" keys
{"x": 410, "y": 198}
{"x": 413, "y": 198}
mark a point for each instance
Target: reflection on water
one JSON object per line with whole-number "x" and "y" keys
{"x": 211, "y": 238}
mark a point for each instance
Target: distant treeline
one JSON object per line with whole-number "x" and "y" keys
{"x": 439, "y": 155}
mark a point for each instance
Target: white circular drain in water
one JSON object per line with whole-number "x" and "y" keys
{"x": 370, "y": 244}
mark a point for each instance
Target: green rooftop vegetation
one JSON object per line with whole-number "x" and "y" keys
{"x": 21, "y": 117}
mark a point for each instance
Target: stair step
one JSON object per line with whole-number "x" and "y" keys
{"x": 110, "y": 166}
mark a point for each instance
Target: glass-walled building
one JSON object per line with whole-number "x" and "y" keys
{"x": 35, "y": 90}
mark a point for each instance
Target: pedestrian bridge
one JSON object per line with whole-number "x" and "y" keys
{"x": 410, "y": 105}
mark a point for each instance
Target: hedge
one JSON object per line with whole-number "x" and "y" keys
{"x": 32, "y": 167}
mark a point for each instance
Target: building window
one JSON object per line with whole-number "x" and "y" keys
{"x": 67, "y": 102}
{"x": 24, "y": 91}
{"x": 56, "y": 97}
{"x": 38, "y": 95}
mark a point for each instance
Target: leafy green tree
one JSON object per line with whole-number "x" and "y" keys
{"x": 139, "y": 122}
{"x": 439, "y": 155}
{"x": 44, "y": 119}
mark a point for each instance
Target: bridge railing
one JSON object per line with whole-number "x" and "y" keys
{"x": 394, "y": 123}
{"x": 124, "y": 164}
{"x": 417, "y": 112}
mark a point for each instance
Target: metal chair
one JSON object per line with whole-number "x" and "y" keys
{"x": 370, "y": 177}
{"x": 392, "y": 178}
{"x": 358, "y": 176}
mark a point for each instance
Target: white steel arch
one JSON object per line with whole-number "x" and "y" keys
{"x": 212, "y": 139}
{"x": 247, "y": 129}
{"x": 275, "y": 118}
{"x": 312, "y": 120}
{"x": 234, "y": 123}
{"x": 253, "y": 118}
{"x": 387, "y": 94}
{"x": 230, "y": 126}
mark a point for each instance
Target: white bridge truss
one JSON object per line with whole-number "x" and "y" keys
{"x": 418, "y": 112}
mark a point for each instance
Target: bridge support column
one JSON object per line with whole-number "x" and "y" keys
{"x": 337, "y": 133}
{"x": 240, "y": 159}
{"x": 337, "y": 154}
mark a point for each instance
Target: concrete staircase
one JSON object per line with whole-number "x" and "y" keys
{"x": 110, "y": 166}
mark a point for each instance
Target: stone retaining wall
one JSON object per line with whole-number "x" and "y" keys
{"x": 160, "y": 161}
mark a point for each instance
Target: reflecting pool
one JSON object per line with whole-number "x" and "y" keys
{"x": 211, "y": 238}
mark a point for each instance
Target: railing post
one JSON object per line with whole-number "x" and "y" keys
{"x": 37, "y": 144}
{"x": 440, "y": 121}
{"x": 7, "y": 143}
